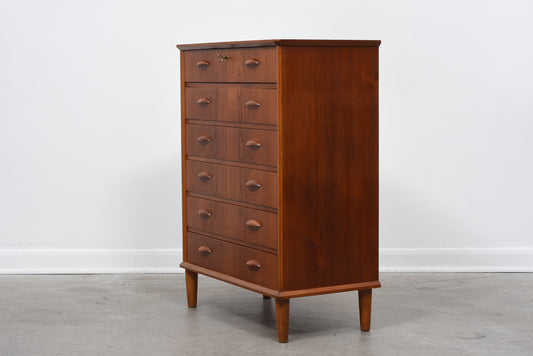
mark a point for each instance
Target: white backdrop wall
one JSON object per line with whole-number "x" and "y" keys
{"x": 89, "y": 110}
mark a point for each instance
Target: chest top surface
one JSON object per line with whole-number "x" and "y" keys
{"x": 280, "y": 42}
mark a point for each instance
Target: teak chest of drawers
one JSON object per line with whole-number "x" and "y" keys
{"x": 280, "y": 168}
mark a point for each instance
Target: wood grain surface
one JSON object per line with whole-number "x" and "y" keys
{"x": 233, "y": 144}
{"x": 248, "y": 225}
{"x": 329, "y": 166}
{"x": 230, "y": 183}
{"x": 280, "y": 42}
{"x": 235, "y": 260}
{"x": 233, "y": 68}
{"x": 243, "y": 105}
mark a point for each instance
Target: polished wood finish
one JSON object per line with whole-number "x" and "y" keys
{"x": 249, "y": 226}
{"x": 234, "y": 164}
{"x": 236, "y": 68}
{"x": 281, "y": 43}
{"x": 233, "y": 240}
{"x": 191, "y": 283}
{"x": 229, "y": 201}
{"x": 242, "y": 262}
{"x": 274, "y": 293}
{"x": 250, "y": 85}
{"x": 233, "y": 144}
{"x": 329, "y": 172}
{"x": 183, "y": 159}
{"x": 330, "y": 289}
{"x": 282, "y": 319}
{"x": 231, "y": 104}
{"x": 365, "y": 307}
{"x": 230, "y": 279}
{"x": 203, "y": 141}
{"x": 230, "y": 183}
{"x": 280, "y": 181}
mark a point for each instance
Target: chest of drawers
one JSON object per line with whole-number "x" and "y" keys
{"x": 280, "y": 168}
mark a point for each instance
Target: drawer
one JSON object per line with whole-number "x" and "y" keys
{"x": 232, "y": 144}
{"x": 237, "y": 65}
{"x": 242, "y": 262}
{"x": 249, "y": 225}
{"x": 235, "y": 183}
{"x": 245, "y": 105}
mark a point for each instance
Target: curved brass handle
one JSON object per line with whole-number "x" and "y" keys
{"x": 204, "y": 175}
{"x": 204, "y": 213}
{"x": 202, "y": 63}
{"x": 252, "y": 104}
{"x": 204, "y": 250}
{"x": 204, "y": 139}
{"x": 253, "y": 264}
{"x": 253, "y": 224}
{"x": 253, "y": 184}
{"x": 253, "y": 144}
{"x": 204, "y": 101}
{"x": 251, "y": 62}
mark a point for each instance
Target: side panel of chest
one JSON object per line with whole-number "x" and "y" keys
{"x": 329, "y": 166}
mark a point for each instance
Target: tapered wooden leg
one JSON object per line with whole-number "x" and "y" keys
{"x": 365, "y": 307}
{"x": 266, "y": 297}
{"x": 282, "y": 319}
{"x": 191, "y": 282}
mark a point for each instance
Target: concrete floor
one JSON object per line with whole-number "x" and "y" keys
{"x": 134, "y": 314}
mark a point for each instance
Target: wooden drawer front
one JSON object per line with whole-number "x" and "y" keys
{"x": 242, "y": 262}
{"x": 232, "y": 144}
{"x": 242, "y": 65}
{"x": 201, "y": 140}
{"x": 240, "y": 184}
{"x": 250, "y": 225}
{"x": 246, "y": 105}
{"x": 258, "y": 106}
